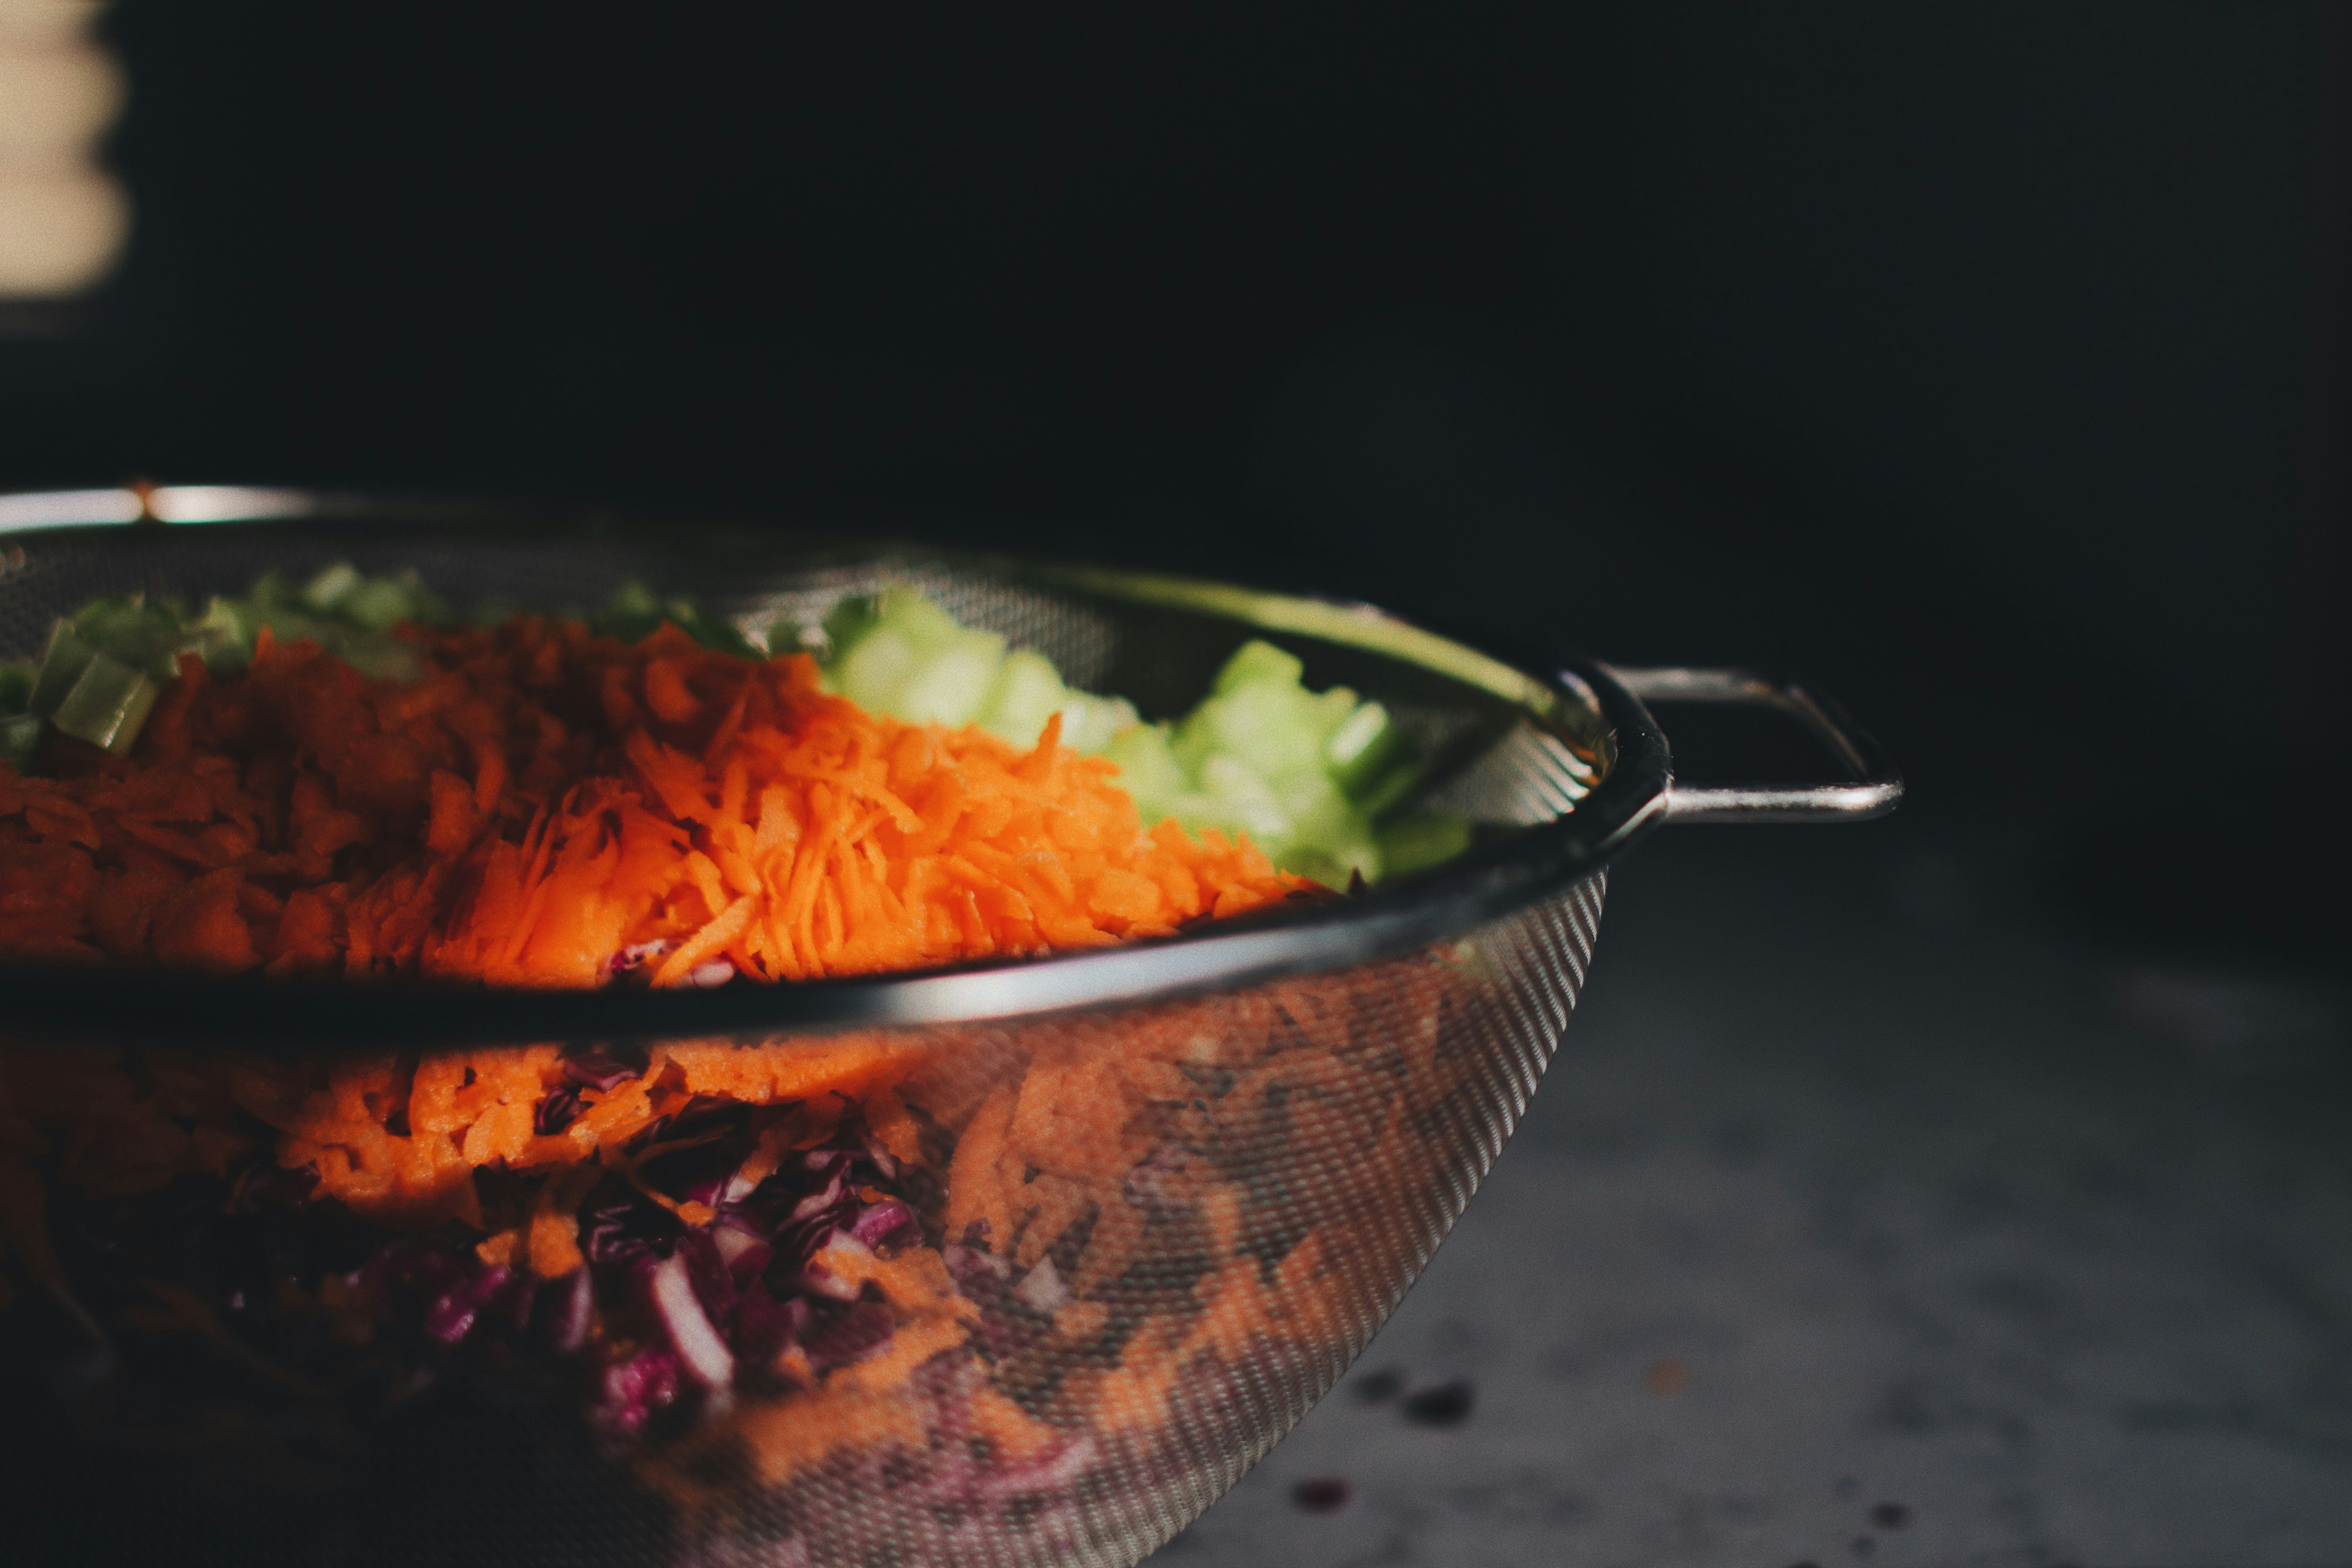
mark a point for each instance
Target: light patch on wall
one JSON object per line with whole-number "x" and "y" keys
{"x": 63, "y": 219}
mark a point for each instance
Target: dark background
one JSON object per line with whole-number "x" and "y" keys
{"x": 1987, "y": 363}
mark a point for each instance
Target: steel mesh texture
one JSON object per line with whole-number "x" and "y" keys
{"x": 1153, "y": 1235}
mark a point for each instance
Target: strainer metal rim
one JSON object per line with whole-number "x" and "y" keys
{"x": 1633, "y": 795}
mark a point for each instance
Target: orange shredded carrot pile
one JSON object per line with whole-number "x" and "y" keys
{"x": 546, "y": 801}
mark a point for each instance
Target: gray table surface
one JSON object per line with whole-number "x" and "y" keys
{"x": 1966, "y": 1241}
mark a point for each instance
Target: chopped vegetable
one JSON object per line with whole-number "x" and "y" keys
{"x": 109, "y": 701}
{"x": 1301, "y": 774}
{"x": 61, "y": 665}
{"x": 20, "y": 727}
{"x": 898, "y": 653}
{"x": 105, "y": 668}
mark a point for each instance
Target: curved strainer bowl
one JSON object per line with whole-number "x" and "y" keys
{"x": 1133, "y": 1211}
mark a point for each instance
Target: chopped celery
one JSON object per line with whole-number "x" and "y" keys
{"x": 897, "y": 653}
{"x": 1028, "y": 693}
{"x": 1254, "y": 662}
{"x": 1246, "y": 797}
{"x": 1273, "y": 728}
{"x": 1335, "y": 868}
{"x": 1090, "y": 723}
{"x": 378, "y": 604}
{"x": 17, "y": 678}
{"x": 272, "y": 588}
{"x": 144, "y": 634}
{"x": 1303, "y": 774}
{"x": 327, "y": 591}
{"x": 1387, "y": 789}
{"x": 926, "y": 624}
{"x": 1363, "y": 745}
{"x": 423, "y": 604}
{"x": 61, "y": 666}
{"x": 223, "y": 634}
{"x": 950, "y": 684}
{"x": 631, "y": 614}
{"x": 1148, "y": 767}
{"x": 108, "y": 704}
{"x": 20, "y": 741}
{"x": 872, "y": 671}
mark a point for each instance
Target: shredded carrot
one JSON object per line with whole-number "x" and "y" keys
{"x": 548, "y": 799}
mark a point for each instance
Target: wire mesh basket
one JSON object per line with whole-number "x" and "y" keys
{"x": 1015, "y": 1264}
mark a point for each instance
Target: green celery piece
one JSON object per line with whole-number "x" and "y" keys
{"x": 874, "y": 670}
{"x": 950, "y": 684}
{"x": 272, "y": 588}
{"x": 423, "y": 604}
{"x": 378, "y": 603}
{"x": 1333, "y": 709}
{"x": 1424, "y": 840}
{"x": 1388, "y": 789}
{"x": 224, "y": 633}
{"x": 327, "y": 592}
{"x": 1148, "y": 770}
{"x": 1335, "y": 868}
{"x": 1270, "y": 726}
{"x": 148, "y": 635}
{"x": 61, "y": 666}
{"x": 17, "y": 678}
{"x": 1193, "y": 740}
{"x": 108, "y": 705}
{"x": 845, "y": 624}
{"x": 1360, "y": 749}
{"x": 1350, "y": 738}
{"x": 1197, "y": 812}
{"x": 633, "y": 599}
{"x": 377, "y": 657}
{"x": 1028, "y": 693}
{"x": 897, "y": 652}
{"x": 20, "y": 741}
{"x": 1254, "y": 662}
{"x": 631, "y": 615}
{"x": 223, "y": 651}
{"x": 1320, "y": 813}
{"x": 1329, "y": 839}
{"x": 1247, "y": 799}
{"x": 921, "y": 622}
{"x": 1090, "y": 723}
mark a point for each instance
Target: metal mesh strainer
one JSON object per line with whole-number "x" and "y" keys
{"x": 1166, "y": 1192}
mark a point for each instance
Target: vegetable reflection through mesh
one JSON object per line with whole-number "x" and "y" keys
{"x": 979, "y": 1274}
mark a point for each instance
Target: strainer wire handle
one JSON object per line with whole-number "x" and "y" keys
{"x": 1872, "y": 789}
